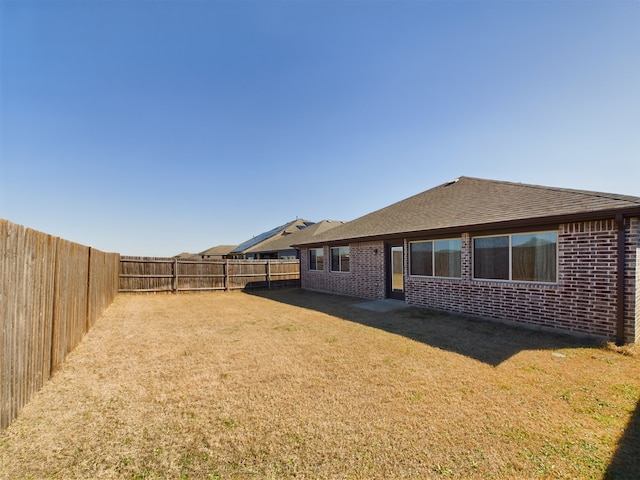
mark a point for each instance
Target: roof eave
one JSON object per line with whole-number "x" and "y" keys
{"x": 547, "y": 221}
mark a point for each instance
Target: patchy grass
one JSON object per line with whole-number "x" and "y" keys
{"x": 290, "y": 384}
{"x": 632, "y": 350}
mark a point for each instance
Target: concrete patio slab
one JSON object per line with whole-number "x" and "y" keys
{"x": 386, "y": 305}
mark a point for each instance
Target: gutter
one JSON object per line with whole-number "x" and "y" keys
{"x": 520, "y": 223}
{"x": 489, "y": 227}
{"x": 620, "y": 339}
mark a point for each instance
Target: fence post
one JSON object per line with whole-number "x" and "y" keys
{"x": 88, "y": 303}
{"x": 269, "y": 274}
{"x": 247, "y": 271}
{"x": 175, "y": 276}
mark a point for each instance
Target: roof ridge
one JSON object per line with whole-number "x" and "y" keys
{"x": 475, "y": 201}
{"x": 577, "y": 191}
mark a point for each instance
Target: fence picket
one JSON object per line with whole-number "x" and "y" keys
{"x": 153, "y": 274}
{"x": 51, "y": 292}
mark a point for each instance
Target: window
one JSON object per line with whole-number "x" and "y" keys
{"x": 316, "y": 259}
{"x": 491, "y": 257}
{"x": 340, "y": 259}
{"x": 528, "y": 257}
{"x": 534, "y": 257}
{"x": 436, "y": 258}
{"x": 421, "y": 256}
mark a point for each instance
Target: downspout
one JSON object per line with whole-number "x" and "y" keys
{"x": 620, "y": 281}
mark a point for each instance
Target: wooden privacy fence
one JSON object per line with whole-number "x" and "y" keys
{"x": 152, "y": 274}
{"x": 51, "y": 293}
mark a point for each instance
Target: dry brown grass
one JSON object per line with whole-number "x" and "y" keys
{"x": 296, "y": 384}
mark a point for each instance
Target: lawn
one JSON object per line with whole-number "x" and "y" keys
{"x": 289, "y": 383}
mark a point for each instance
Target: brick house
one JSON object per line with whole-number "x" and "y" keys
{"x": 547, "y": 257}
{"x": 253, "y": 248}
{"x": 218, "y": 252}
{"x": 280, "y": 246}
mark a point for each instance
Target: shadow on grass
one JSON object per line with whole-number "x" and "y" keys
{"x": 626, "y": 461}
{"x": 488, "y": 342}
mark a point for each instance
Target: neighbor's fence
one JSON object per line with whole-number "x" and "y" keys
{"x": 151, "y": 274}
{"x": 51, "y": 293}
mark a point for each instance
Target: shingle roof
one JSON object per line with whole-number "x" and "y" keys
{"x": 218, "y": 250}
{"x": 473, "y": 202}
{"x": 285, "y": 240}
{"x": 186, "y": 256}
{"x": 291, "y": 227}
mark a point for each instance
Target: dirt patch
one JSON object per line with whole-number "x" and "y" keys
{"x": 297, "y": 384}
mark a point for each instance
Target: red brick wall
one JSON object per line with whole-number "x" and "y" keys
{"x": 365, "y": 278}
{"x": 583, "y": 300}
{"x": 632, "y": 281}
{"x": 637, "y": 299}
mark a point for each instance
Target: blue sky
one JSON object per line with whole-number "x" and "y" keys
{"x": 157, "y": 127}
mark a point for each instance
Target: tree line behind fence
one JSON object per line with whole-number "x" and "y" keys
{"x": 51, "y": 293}
{"x": 152, "y": 274}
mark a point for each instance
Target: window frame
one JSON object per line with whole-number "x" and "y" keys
{"x": 433, "y": 257}
{"x": 348, "y": 253}
{"x": 316, "y": 269}
{"x": 510, "y": 257}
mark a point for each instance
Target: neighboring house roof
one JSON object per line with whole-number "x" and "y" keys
{"x": 220, "y": 250}
{"x": 186, "y": 255}
{"x": 473, "y": 203}
{"x": 290, "y": 227}
{"x": 286, "y": 239}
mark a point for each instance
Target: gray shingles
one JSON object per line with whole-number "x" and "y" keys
{"x": 472, "y": 202}
{"x": 285, "y": 242}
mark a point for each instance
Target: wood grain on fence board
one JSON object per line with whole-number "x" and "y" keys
{"x": 49, "y": 297}
{"x": 154, "y": 274}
